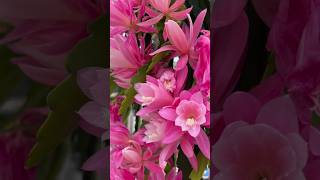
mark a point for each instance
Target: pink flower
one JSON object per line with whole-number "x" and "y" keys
{"x": 124, "y": 19}
{"x": 155, "y": 131}
{"x": 260, "y": 141}
{"x": 44, "y": 33}
{"x": 182, "y": 43}
{"x": 168, "y": 80}
{"x": 258, "y": 152}
{"x": 126, "y": 57}
{"x": 202, "y": 67}
{"x": 92, "y": 82}
{"x": 163, "y": 9}
{"x": 191, "y": 114}
{"x": 152, "y": 95}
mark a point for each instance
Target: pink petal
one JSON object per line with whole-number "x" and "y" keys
{"x": 187, "y": 148}
{"x": 167, "y": 152}
{"x": 182, "y": 63}
{"x": 314, "y": 143}
{"x": 97, "y": 161}
{"x": 181, "y": 79}
{"x": 173, "y": 134}
{"x": 168, "y": 113}
{"x": 181, "y": 15}
{"x": 203, "y": 142}
{"x": 163, "y": 48}
{"x": 151, "y": 21}
{"x": 267, "y": 10}
{"x": 228, "y": 47}
{"x": 176, "y": 5}
{"x": 241, "y": 106}
{"x": 226, "y": 12}
{"x": 176, "y": 36}
{"x": 198, "y": 25}
{"x": 152, "y": 167}
{"x": 280, "y": 113}
{"x": 194, "y": 162}
{"x": 194, "y": 131}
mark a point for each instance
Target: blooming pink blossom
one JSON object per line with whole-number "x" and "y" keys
{"x": 124, "y": 19}
{"x": 163, "y": 9}
{"x": 182, "y": 43}
{"x": 126, "y": 56}
{"x": 152, "y": 95}
{"x": 191, "y": 114}
{"x": 271, "y": 131}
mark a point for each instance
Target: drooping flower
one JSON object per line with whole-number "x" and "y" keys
{"x": 126, "y": 57}
{"x": 182, "y": 43}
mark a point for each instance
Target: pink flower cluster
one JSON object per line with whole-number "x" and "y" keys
{"x": 269, "y": 132}
{"x": 173, "y": 115}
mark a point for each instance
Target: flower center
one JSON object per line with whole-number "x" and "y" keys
{"x": 190, "y": 121}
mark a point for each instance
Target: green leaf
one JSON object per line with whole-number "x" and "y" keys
{"x": 91, "y": 51}
{"x": 202, "y": 162}
{"x": 155, "y": 60}
{"x": 131, "y": 92}
{"x": 271, "y": 67}
{"x": 64, "y": 101}
{"x": 315, "y": 119}
{"x": 184, "y": 165}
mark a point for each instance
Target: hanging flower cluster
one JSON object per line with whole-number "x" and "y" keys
{"x": 160, "y": 63}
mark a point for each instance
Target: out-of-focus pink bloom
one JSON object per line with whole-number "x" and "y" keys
{"x": 124, "y": 19}
{"x": 152, "y": 95}
{"x": 228, "y": 48}
{"x": 202, "y": 68}
{"x": 163, "y": 9}
{"x": 16, "y": 144}
{"x": 93, "y": 83}
{"x": 270, "y": 131}
{"x": 182, "y": 43}
{"x": 126, "y": 57}
{"x": 267, "y": 10}
{"x": 45, "y": 33}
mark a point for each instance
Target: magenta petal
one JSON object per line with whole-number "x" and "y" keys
{"x": 152, "y": 167}
{"x": 187, "y": 148}
{"x": 280, "y": 113}
{"x": 203, "y": 142}
{"x": 194, "y": 162}
{"x": 229, "y": 45}
{"x": 168, "y": 113}
{"x": 226, "y": 11}
{"x": 97, "y": 161}
{"x": 314, "y": 143}
{"x": 241, "y": 106}
{"x": 151, "y": 21}
{"x": 181, "y": 79}
{"x": 172, "y": 134}
{"x": 181, "y": 15}
{"x": 182, "y": 63}
{"x": 167, "y": 152}
{"x": 163, "y": 48}
{"x": 267, "y": 10}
